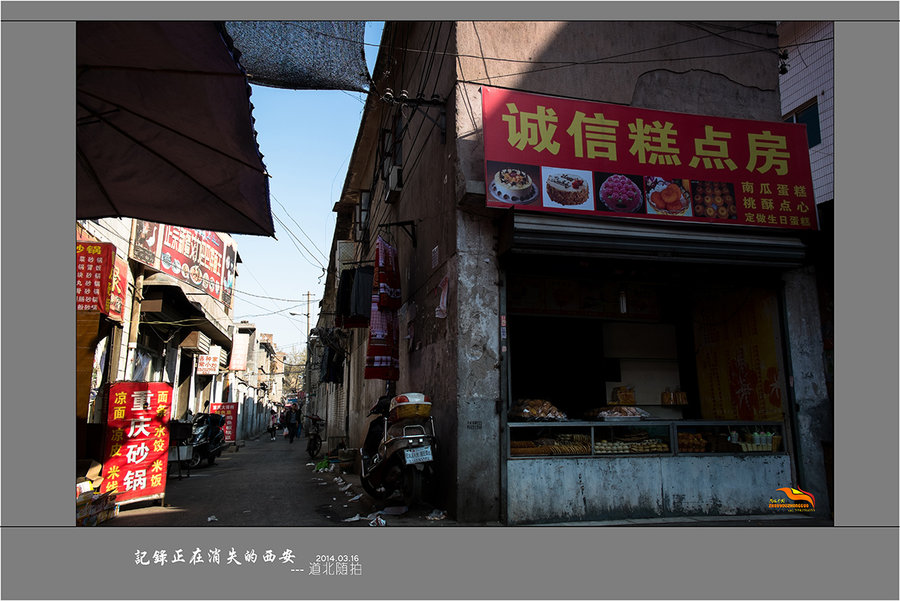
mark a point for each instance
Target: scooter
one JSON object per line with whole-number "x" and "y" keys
{"x": 207, "y": 439}
{"x": 400, "y": 449}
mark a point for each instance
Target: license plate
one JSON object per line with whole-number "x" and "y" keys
{"x": 417, "y": 455}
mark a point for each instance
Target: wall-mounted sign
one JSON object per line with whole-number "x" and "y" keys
{"x": 206, "y": 260}
{"x": 137, "y": 440}
{"x": 100, "y": 279}
{"x": 544, "y": 153}
{"x": 207, "y": 365}
{"x": 240, "y": 349}
{"x": 230, "y": 412}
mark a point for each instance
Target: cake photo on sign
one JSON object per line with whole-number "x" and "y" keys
{"x": 714, "y": 200}
{"x": 512, "y": 183}
{"x": 567, "y": 189}
{"x": 619, "y": 193}
{"x": 668, "y": 197}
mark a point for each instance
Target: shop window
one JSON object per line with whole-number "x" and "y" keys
{"x": 808, "y": 114}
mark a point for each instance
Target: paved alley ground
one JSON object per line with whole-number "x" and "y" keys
{"x": 265, "y": 483}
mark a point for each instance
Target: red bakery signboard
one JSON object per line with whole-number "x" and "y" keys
{"x": 137, "y": 440}
{"x": 544, "y": 153}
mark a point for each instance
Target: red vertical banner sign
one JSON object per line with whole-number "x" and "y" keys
{"x": 101, "y": 279}
{"x": 229, "y": 411}
{"x": 137, "y": 440}
{"x": 93, "y": 266}
{"x": 118, "y": 285}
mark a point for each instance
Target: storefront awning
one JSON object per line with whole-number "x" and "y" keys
{"x": 167, "y": 301}
{"x": 164, "y": 130}
{"x": 535, "y": 233}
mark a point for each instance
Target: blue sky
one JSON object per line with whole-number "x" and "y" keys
{"x": 306, "y": 137}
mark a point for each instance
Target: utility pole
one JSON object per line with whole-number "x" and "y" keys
{"x": 308, "y": 315}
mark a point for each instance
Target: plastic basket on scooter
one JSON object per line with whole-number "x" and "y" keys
{"x": 411, "y": 404}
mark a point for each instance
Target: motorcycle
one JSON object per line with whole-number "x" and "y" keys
{"x": 400, "y": 449}
{"x": 207, "y": 439}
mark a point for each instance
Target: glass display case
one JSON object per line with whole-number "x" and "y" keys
{"x": 642, "y": 437}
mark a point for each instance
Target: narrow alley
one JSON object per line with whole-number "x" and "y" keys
{"x": 265, "y": 483}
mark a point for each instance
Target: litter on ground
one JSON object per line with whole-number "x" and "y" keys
{"x": 395, "y": 510}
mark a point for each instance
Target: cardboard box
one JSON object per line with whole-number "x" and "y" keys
{"x": 89, "y": 470}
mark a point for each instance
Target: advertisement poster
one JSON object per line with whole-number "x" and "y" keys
{"x": 205, "y": 260}
{"x": 230, "y": 411}
{"x": 544, "y": 153}
{"x": 100, "y": 279}
{"x": 137, "y": 440}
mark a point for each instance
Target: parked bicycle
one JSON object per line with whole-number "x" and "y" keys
{"x": 314, "y": 443}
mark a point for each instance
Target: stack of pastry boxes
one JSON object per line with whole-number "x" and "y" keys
{"x": 409, "y": 405}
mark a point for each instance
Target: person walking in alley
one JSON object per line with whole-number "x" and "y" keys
{"x": 273, "y": 423}
{"x": 292, "y": 421}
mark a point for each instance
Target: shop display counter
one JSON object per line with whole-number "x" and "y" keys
{"x": 623, "y": 436}
{"x": 565, "y": 471}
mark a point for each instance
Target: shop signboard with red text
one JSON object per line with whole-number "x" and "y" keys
{"x": 136, "y": 453}
{"x": 204, "y": 259}
{"x": 229, "y": 411}
{"x": 544, "y": 153}
{"x": 100, "y": 279}
{"x": 207, "y": 365}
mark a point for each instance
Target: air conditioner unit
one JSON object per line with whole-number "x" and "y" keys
{"x": 223, "y": 358}
{"x": 197, "y": 341}
{"x": 395, "y": 184}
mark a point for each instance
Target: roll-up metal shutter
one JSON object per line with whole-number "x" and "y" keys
{"x": 536, "y": 233}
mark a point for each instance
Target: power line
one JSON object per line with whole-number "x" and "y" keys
{"x": 295, "y": 241}
{"x": 301, "y": 229}
{"x": 563, "y": 64}
{"x": 279, "y": 311}
{"x": 286, "y": 300}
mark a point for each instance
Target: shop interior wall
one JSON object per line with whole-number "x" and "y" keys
{"x": 575, "y": 361}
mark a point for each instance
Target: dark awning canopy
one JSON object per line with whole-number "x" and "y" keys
{"x": 164, "y": 128}
{"x": 166, "y": 303}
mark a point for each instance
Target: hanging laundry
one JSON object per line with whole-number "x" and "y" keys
{"x": 387, "y": 275}
{"x": 344, "y": 297}
{"x": 383, "y": 352}
{"x": 361, "y": 295}
{"x": 334, "y": 366}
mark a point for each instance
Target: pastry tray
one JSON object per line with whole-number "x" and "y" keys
{"x": 621, "y": 418}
